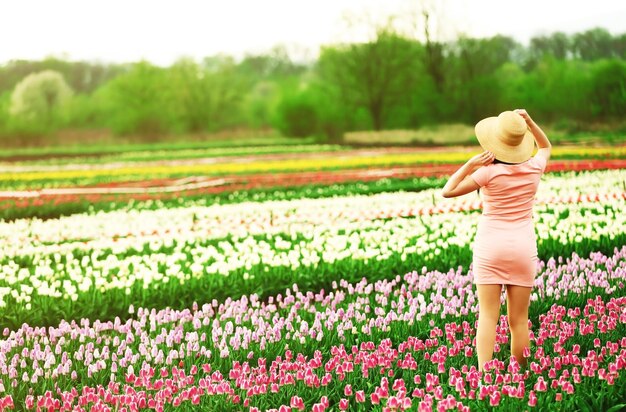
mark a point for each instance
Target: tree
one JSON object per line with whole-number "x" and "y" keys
{"x": 226, "y": 88}
{"x": 593, "y": 44}
{"x": 135, "y": 102}
{"x": 190, "y": 95}
{"x": 374, "y": 75}
{"x": 297, "y": 114}
{"x": 557, "y": 45}
{"x": 39, "y": 97}
{"x": 472, "y": 67}
{"x": 82, "y": 77}
{"x": 434, "y": 56}
{"x": 608, "y": 91}
{"x": 269, "y": 78}
{"x": 275, "y": 64}
{"x": 260, "y": 102}
{"x": 619, "y": 46}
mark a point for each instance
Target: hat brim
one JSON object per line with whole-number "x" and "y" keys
{"x": 486, "y": 133}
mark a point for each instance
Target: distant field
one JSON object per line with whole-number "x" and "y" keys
{"x": 109, "y": 150}
{"x": 463, "y": 135}
{"x": 169, "y": 165}
{"x": 164, "y": 153}
{"x": 455, "y": 134}
{"x": 47, "y": 190}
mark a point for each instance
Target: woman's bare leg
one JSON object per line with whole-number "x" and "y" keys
{"x": 488, "y": 317}
{"x": 518, "y": 300}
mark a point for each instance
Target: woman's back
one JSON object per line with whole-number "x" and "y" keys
{"x": 508, "y": 190}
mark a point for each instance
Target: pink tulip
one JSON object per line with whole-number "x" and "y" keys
{"x": 541, "y": 385}
{"x": 398, "y": 384}
{"x": 494, "y": 398}
{"x": 324, "y": 401}
{"x": 297, "y": 402}
{"x": 318, "y": 407}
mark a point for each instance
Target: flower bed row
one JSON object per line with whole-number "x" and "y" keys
{"x": 53, "y": 280}
{"x": 25, "y": 177}
{"x": 250, "y": 218}
{"x": 257, "y": 187}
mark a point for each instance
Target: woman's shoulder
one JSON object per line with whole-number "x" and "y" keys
{"x": 537, "y": 161}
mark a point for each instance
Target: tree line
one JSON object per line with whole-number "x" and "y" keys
{"x": 390, "y": 82}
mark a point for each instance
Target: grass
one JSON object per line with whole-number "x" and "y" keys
{"x": 441, "y": 135}
{"x": 463, "y": 135}
{"x": 586, "y": 138}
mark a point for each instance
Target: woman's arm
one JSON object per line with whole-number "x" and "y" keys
{"x": 540, "y": 136}
{"x": 460, "y": 183}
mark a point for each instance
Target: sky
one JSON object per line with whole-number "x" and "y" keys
{"x": 162, "y": 31}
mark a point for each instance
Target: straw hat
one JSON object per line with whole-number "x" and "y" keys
{"x": 506, "y": 136}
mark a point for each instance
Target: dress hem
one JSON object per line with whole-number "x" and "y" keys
{"x": 502, "y": 283}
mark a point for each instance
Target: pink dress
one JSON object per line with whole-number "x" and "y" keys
{"x": 505, "y": 246}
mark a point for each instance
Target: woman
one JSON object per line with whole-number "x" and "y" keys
{"x": 505, "y": 246}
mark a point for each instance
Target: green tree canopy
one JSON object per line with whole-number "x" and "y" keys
{"x": 374, "y": 75}
{"x": 135, "y": 102}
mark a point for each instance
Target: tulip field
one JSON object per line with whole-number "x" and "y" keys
{"x": 298, "y": 280}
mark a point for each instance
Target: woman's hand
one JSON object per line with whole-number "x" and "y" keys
{"x": 540, "y": 137}
{"x": 482, "y": 159}
{"x": 524, "y": 115}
